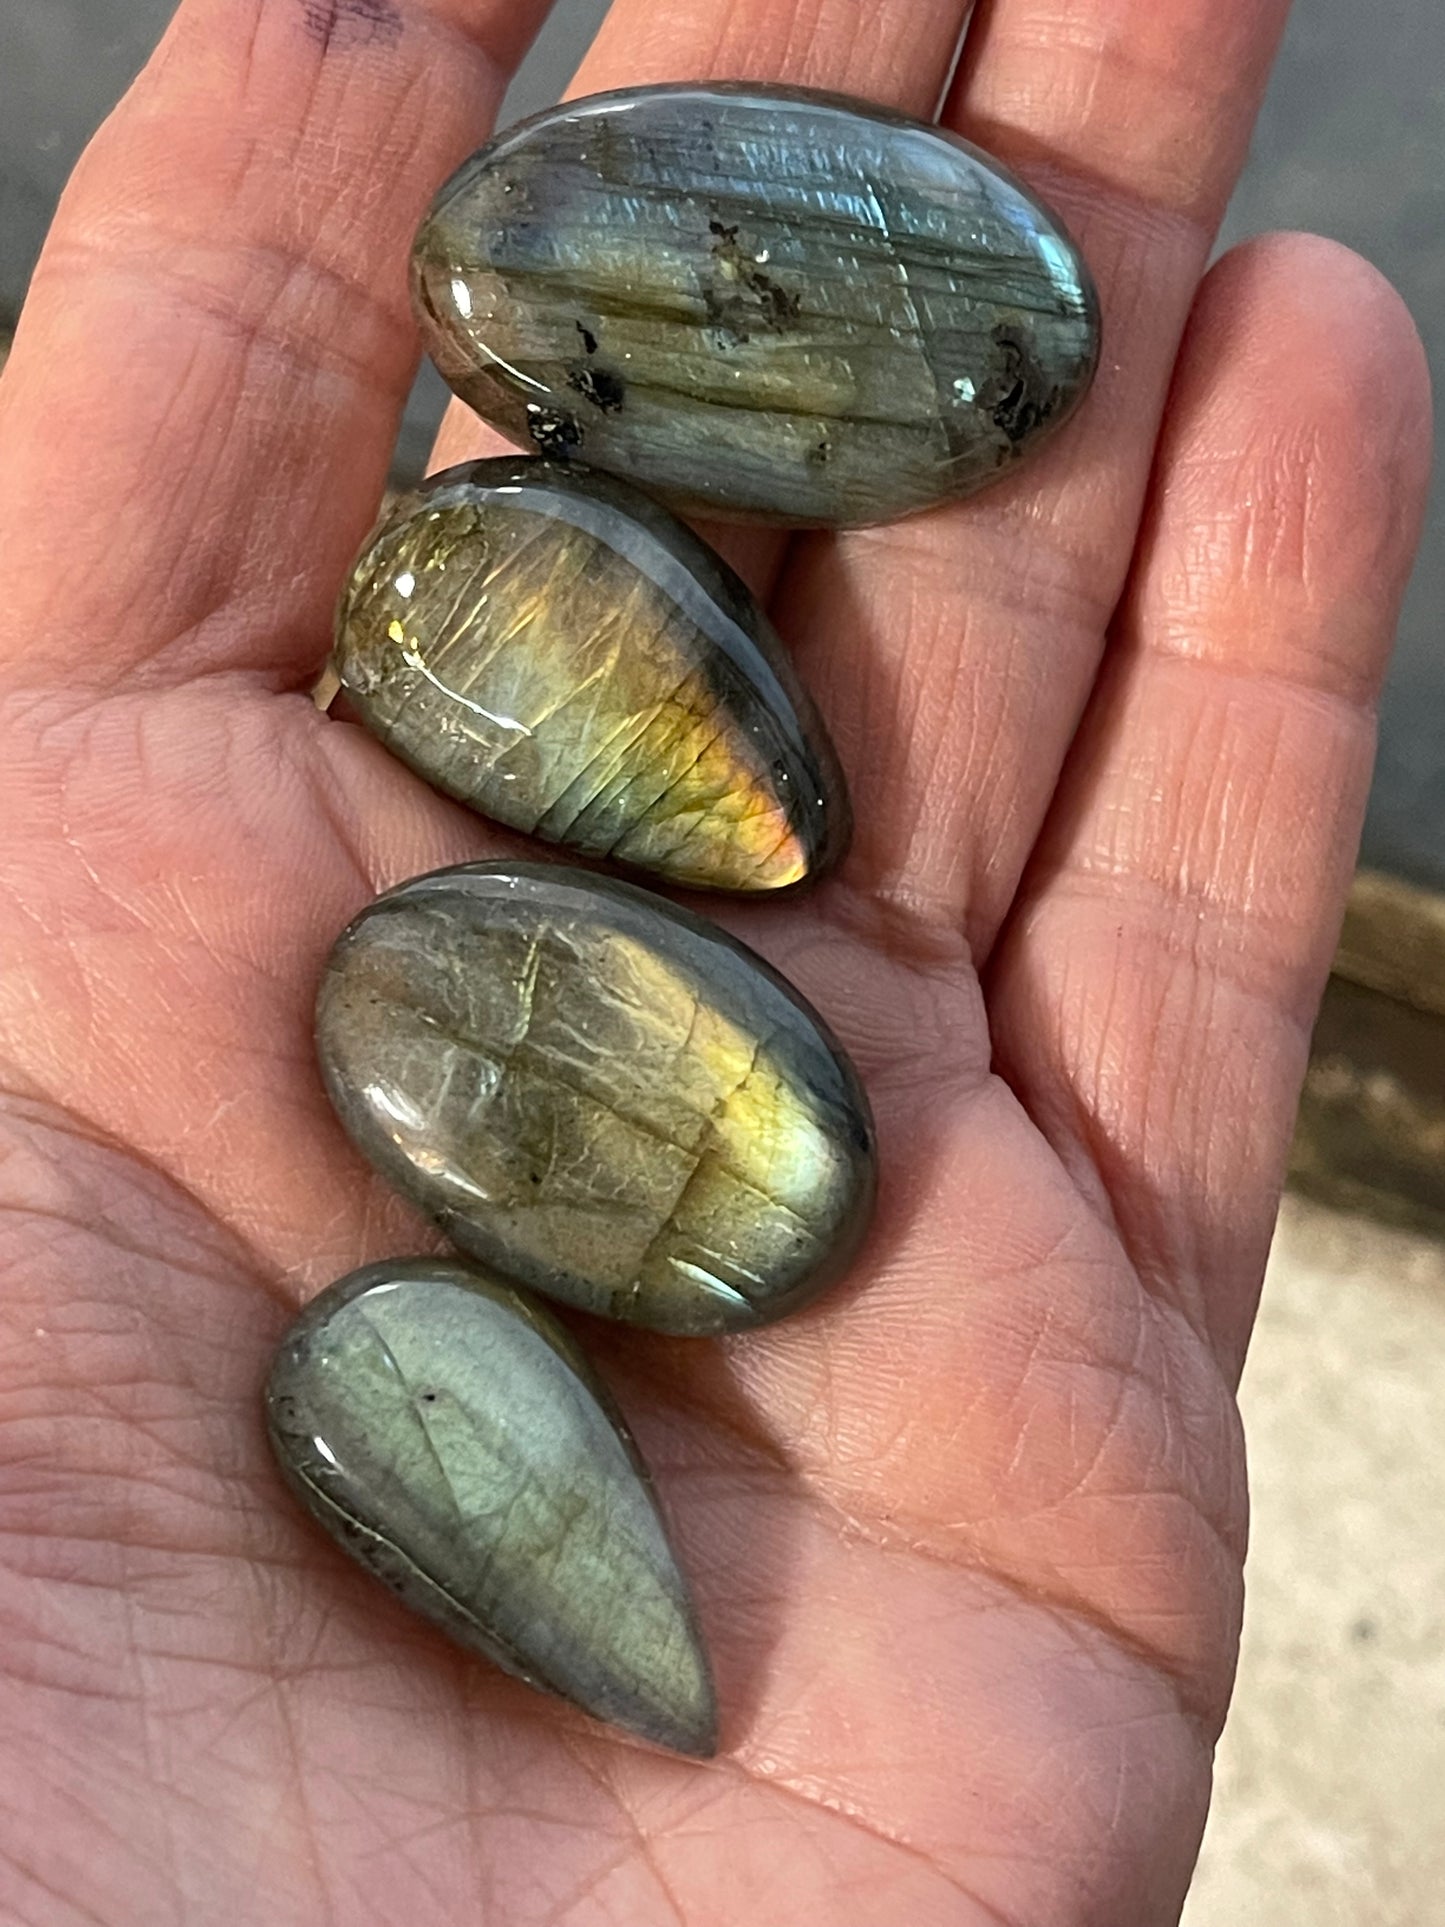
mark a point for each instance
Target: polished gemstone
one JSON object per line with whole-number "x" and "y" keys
{"x": 452, "y": 1438}
{"x": 598, "y": 1094}
{"x": 757, "y": 302}
{"x": 554, "y": 649}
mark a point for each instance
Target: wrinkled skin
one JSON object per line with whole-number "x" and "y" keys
{"x": 967, "y": 1536}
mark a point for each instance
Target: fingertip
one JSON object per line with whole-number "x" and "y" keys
{"x": 1291, "y": 477}
{"x": 1328, "y": 275}
{"x": 1322, "y": 328}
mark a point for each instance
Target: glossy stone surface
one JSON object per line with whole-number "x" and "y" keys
{"x": 598, "y": 1094}
{"x": 452, "y": 1438}
{"x": 756, "y": 302}
{"x": 554, "y": 649}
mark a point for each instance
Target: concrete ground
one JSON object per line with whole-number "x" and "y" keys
{"x": 1330, "y": 1801}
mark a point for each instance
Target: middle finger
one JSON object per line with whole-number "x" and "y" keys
{"x": 897, "y": 52}
{"x": 953, "y": 653}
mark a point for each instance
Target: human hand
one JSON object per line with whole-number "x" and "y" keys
{"x": 967, "y": 1535}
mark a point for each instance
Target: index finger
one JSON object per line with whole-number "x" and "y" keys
{"x": 205, "y": 385}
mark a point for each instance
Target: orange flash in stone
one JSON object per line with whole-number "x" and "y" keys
{"x": 555, "y": 650}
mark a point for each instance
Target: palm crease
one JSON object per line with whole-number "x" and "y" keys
{"x": 967, "y": 1535}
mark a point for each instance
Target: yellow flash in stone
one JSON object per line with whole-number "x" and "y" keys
{"x": 598, "y": 1094}
{"x": 558, "y": 653}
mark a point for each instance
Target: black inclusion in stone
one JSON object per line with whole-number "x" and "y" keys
{"x": 819, "y": 312}
{"x": 600, "y": 386}
{"x": 554, "y": 431}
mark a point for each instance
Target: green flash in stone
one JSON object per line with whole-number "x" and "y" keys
{"x": 453, "y": 1439}
{"x": 758, "y": 303}
{"x": 599, "y": 1095}
{"x": 547, "y": 645}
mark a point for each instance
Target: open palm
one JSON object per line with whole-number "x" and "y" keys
{"x": 967, "y": 1536}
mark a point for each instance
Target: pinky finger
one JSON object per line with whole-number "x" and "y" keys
{"x": 1153, "y": 998}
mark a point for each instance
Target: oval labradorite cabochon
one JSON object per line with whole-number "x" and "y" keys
{"x": 599, "y": 1095}
{"x": 552, "y": 648}
{"x": 756, "y": 302}
{"x": 452, "y": 1438}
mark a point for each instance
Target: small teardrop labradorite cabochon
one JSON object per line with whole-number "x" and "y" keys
{"x": 452, "y": 1438}
{"x": 549, "y": 646}
{"x": 757, "y": 302}
{"x": 599, "y": 1095}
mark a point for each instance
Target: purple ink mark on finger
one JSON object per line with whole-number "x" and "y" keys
{"x": 352, "y": 23}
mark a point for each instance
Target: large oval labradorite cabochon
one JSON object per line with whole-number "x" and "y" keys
{"x": 547, "y": 645}
{"x": 757, "y": 302}
{"x": 453, "y": 1439}
{"x": 599, "y": 1095}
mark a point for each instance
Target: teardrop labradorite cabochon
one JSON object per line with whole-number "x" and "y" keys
{"x": 757, "y": 302}
{"x": 452, "y": 1438}
{"x": 599, "y": 1095}
{"x": 549, "y": 646}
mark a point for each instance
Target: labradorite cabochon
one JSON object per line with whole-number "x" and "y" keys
{"x": 547, "y": 645}
{"x": 757, "y": 302}
{"x": 599, "y": 1095}
{"x": 451, "y": 1437}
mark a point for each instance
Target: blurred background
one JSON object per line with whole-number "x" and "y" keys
{"x": 1331, "y": 1800}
